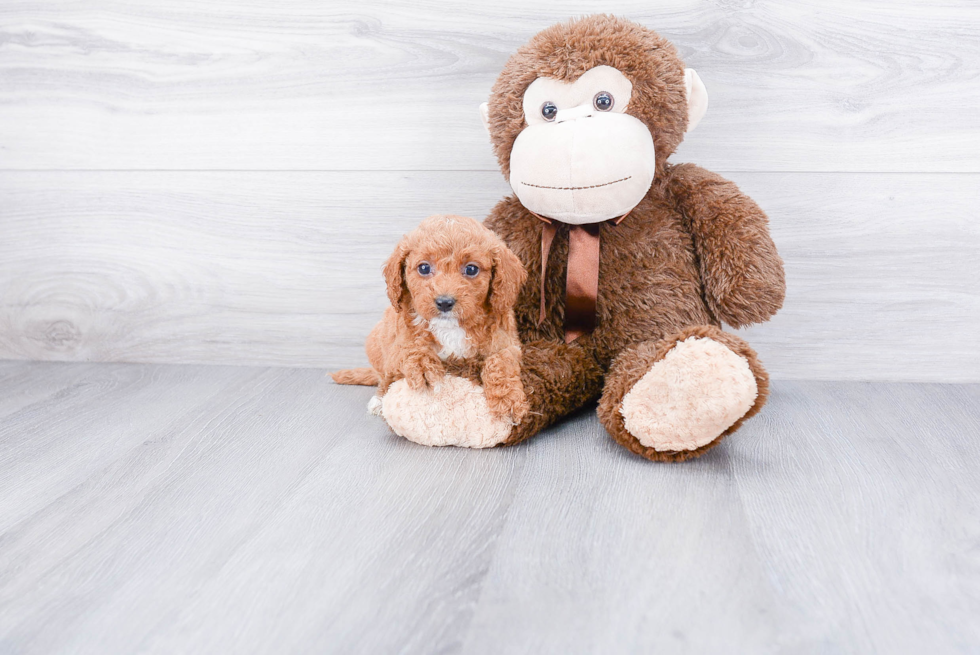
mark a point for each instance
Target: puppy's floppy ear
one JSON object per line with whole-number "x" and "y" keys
{"x": 508, "y": 278}
{"x": 394, "y": 272}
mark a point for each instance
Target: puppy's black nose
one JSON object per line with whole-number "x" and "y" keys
{"x": 445, "y": 303}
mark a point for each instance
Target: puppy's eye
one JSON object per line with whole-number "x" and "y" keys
{"x": 603, "y": 101}
{"x": 549, "y": 110}
{"x": 471, "y": 270}
{"x": 425, "y": 269}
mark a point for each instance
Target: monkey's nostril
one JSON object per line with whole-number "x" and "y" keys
{"x": 445, "y": 303}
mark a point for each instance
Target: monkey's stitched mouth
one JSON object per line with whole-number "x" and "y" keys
{"x": 576, "y": 188}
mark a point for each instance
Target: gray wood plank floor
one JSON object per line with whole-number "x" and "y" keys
{"x": 155, "y": 508}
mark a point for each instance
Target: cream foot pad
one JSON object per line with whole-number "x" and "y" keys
{"x": 690, "y": 397}
{"x": 455, "y": 414}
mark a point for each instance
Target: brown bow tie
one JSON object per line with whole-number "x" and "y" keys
{"x": 581, "y": 277}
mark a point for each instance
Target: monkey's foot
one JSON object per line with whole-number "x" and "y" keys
{"x": 453, "y": 414}
{"x": 690, "y": 397}
{"x": 676, "y": 398}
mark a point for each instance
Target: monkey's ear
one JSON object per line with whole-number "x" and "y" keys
{"x": 697, "y": 98}
{"x": 485, "y": 116}
{"x": 394, "y": 272}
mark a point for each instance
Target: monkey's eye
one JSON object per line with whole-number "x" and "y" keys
{"x": 471, "y": 270}
{"x": 549, "y": 110}
{"x": 425, "y": 269}
{"x": 603, "y": 101}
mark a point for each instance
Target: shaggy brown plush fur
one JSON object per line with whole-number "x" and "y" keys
{"x": 693, "y": 253}
{"x": 404, "y": 344}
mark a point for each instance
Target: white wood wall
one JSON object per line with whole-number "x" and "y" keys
{"x": 219, "y": 182}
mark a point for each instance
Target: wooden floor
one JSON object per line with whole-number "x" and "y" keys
{"x": 206, "y": 509}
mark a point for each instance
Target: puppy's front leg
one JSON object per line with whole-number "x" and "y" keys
{"x": 502, "y": 384}
{"x": 423, "y": 368}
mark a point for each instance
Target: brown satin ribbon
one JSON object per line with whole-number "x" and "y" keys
{"x": 581, "y": 280}
{"x": 581, "y": 277}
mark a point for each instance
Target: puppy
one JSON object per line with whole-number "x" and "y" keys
{"x": 452, "y": 284}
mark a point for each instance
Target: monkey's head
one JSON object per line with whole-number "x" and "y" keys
{"x": 584, "y": 116}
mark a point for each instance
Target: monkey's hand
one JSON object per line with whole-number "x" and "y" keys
{"x": 454, "y": 414}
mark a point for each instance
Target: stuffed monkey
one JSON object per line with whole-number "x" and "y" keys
{"x": 633, "y": 263}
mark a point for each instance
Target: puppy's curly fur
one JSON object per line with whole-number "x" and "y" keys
{"x": 456, "y": 262}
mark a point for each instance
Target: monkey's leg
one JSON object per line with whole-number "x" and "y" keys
{"x": 673, "y": 399}
{"x": 557, "y": 379}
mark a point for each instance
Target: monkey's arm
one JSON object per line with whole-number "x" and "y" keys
{"x": 742, "y": 272}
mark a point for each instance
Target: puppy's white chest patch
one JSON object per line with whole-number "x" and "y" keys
{"x": 451, "y": 337}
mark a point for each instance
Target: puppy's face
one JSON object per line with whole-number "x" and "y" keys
{"x": 454, "y": 267}
{"x": 446, "y": 281}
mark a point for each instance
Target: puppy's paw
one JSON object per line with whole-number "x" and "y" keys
{"x": 508, "y": 403}
{"x": 519, "y": 409}
{"x": 414, "y": 377}
{"x": 423, "y": 373}
{"x": 434, "y": 374}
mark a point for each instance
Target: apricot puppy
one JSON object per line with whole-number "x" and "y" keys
{"x": 452, "y": 284}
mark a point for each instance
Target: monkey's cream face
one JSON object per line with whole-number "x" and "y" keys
{"x": 582, "y": 159}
